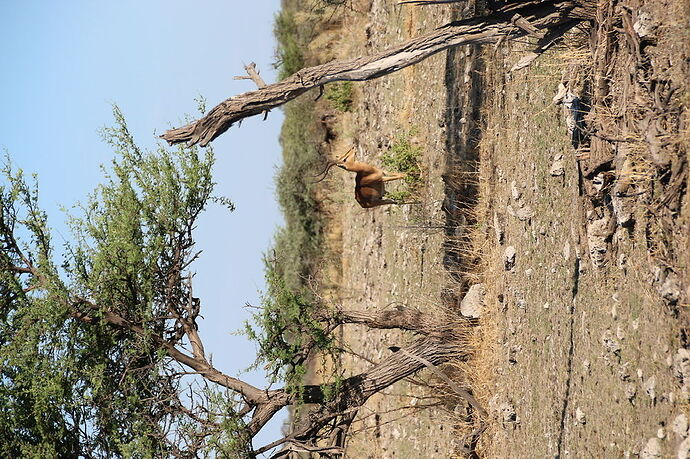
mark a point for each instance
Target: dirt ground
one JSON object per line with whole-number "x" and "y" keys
{"x": 583, "y": 251}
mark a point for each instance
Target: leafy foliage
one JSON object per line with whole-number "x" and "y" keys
{"x": 290, "y": 44}
{"x": 71, "y": 383}
{"x": 298, "y": 243}
{"x": 340, "y": 95}
{"x": 287, "y": 330}
{"x": 403, "y": 156}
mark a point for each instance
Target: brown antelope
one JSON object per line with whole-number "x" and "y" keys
{"x": 369, "y": 189}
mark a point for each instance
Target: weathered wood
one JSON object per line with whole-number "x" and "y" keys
{"x": 522, "y": 23}
{"x": 252, "y": 74}
{"x": 542, "y": 15}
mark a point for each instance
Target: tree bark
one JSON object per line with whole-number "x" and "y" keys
{"x": 356, "y": 390}
{"x": 540, "y": 15}
{"x": 401, "y": 318}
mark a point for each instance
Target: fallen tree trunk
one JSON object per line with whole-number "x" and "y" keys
{"x": 511, "y": 21}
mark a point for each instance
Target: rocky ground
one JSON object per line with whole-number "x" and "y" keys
{"x": 587, "y": 296}
{"x": 582, "y": 250}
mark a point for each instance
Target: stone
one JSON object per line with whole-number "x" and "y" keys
{"x": 680, "y": 425}
{"x": 650, "y": 388}
{"x": 684, "y": 449}
{"x": 509, "y": 258}
{"x": 524, "y": 213}
{"x": 472, "y": 303}
{"x": 652, "y": 449}
{"x": 670, "y": 288}
{"x": 557, "y": 167}
{"x": 580, "y": 416}
{"x": 498, "y": 228}
{"x": 514, "y": 191}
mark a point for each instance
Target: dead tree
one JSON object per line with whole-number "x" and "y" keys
{"x": 546, "y": 19}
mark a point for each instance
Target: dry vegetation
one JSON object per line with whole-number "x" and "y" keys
{"x": 580, "y": 349}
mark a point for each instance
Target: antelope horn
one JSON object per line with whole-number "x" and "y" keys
{"x": 329, "y": 165}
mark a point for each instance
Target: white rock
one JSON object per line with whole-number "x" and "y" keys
{"x": 644, "y": 25}
{"x": 684, "y": 449}
{"x": 557, "y": 168}
{"x": 509, "y": 258}
{"x": 680, "y": 425}
{"x": 650, "y": 388}
{"x": 652, "y": 449}
{"x": 580, "y": 416}
{"x": 472, "y": 304}
{"x": 515, "y": 192}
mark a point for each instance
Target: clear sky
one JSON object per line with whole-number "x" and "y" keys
{"x": 65, "y": 62}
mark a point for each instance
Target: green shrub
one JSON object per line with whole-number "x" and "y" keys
{"x": 286, "y": 328}
{"x": 289, "y": 44}
{"x": 403, "y": 156}
{"x": 340, "y": 95}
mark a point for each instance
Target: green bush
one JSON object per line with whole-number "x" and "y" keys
{"x": 290, "y": 44}
{"x": 340, "y": 95}
{"x": 286, "y": 328}
{"x": 403, "y": 156}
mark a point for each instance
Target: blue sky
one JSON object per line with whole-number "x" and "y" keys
{"x": 64, "y": 65}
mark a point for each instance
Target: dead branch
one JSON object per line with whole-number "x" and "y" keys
{"x": 542, "y": 15}
{"x": 252, "y": 74}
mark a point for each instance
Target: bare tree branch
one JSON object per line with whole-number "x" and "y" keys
{"x": 252, "y": 74}
{"x": 540, "y": 15}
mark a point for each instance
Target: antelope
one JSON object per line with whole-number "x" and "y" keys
{"x": 369, "y": 189}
